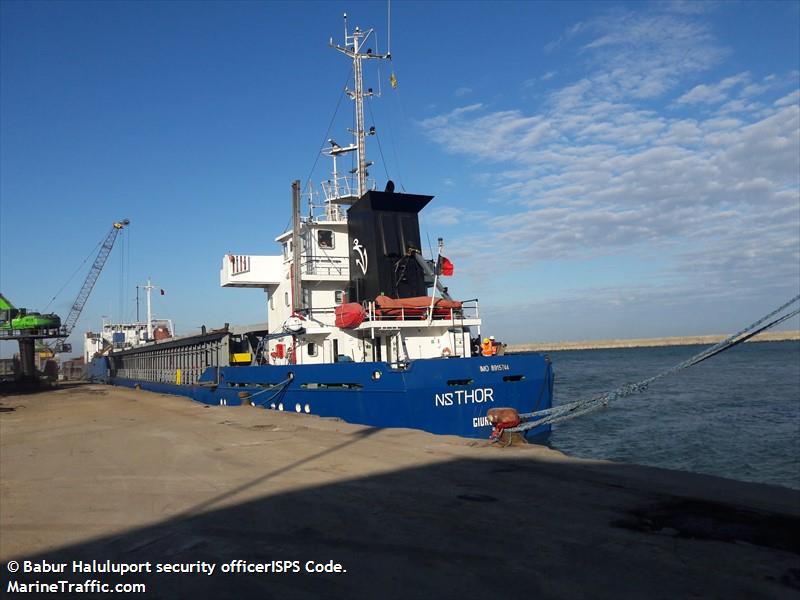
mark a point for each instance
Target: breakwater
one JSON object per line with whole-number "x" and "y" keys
{"x": 767, "y": 336}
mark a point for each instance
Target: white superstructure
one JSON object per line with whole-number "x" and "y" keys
{"x": 311, "y": 278}
{"x": 121, "y": 336}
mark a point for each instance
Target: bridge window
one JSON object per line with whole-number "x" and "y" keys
{"x": 325, "y": 238}
{"x": 339, "y": 296}
{"x": 312, "y": 349}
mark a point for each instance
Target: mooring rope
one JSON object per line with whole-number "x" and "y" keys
{"x": 571, "y": 410}
{"x": 278, "y": 386}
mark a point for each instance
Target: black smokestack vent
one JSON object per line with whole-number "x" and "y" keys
{"x": 384, "y": 234}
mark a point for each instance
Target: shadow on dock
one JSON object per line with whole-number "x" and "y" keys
{"x": 464, "y": 529}
{"x": 37, "y": 386}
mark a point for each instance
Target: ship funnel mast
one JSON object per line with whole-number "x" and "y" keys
{"x": 354, "y": 48}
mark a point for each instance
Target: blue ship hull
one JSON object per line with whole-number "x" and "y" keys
{"x": 442, "y": 396}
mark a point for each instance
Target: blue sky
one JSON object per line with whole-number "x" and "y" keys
{"x": 601, "y": 169}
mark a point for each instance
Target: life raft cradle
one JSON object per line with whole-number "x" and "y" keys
{"x": 505, "y": 422}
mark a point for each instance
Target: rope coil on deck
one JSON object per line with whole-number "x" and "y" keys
{"x": 565, "y": 412}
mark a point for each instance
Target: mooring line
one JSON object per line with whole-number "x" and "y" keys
{"x": 571, "y": 410}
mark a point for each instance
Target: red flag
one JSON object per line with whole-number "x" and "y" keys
{"x": 162, "y": 292}
{"x": 446, "y": 268}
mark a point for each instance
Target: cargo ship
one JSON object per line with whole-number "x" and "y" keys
{"x": 360, "y": 324}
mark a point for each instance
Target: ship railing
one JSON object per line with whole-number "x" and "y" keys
{"x": 45, "y": 332}
{"x": 344, "y": 188}
{"x": 325, "y": 212}
{"x": 240, "y": 263}
{"x": 336, "y": 192}
{"x": 326, "y": 265}
{"x": 468, "y": 311}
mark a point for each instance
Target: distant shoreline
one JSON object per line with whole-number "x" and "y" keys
{"x": 767, "y": 336}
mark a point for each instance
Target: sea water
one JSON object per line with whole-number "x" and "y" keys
{"x": 735, "y": 415}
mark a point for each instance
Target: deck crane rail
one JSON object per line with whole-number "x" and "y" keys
{"x": 88, "y": 285}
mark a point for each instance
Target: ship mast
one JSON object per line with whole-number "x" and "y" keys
{"x": 149, "y": 287}
{"x": 353, "y": 46}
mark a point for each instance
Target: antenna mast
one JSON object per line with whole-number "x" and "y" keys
{"x": 149, "y": 287}
{"x": 353, "y": 46}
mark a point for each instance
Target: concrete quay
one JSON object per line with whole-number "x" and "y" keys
{"x": 95, "y": 473}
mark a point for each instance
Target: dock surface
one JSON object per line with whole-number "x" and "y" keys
{"x": 92, "y": 472}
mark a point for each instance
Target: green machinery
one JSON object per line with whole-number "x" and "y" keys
{"x": 25, "y": 327}
{"x": 19, "y": 319}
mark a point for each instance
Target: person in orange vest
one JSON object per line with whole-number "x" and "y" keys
{"x": 495, "y": 345}
{"x": 486, "y": 347}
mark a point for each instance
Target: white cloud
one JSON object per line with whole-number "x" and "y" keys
{"x": 739, "y": 106}
{"x": 487, "y": 134}
{"x": 643, "y": 54}
{"x": 571, "y": 32}
{"x": 534, "y": 82}
{"x": 789, "y": 100}
{"x": 691, "y": 7}
{"x": 462, "y": 91}
{"x": 448, "y": 216}
{"x": 715, "y": 93}
{"x": 598, "y": 170}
